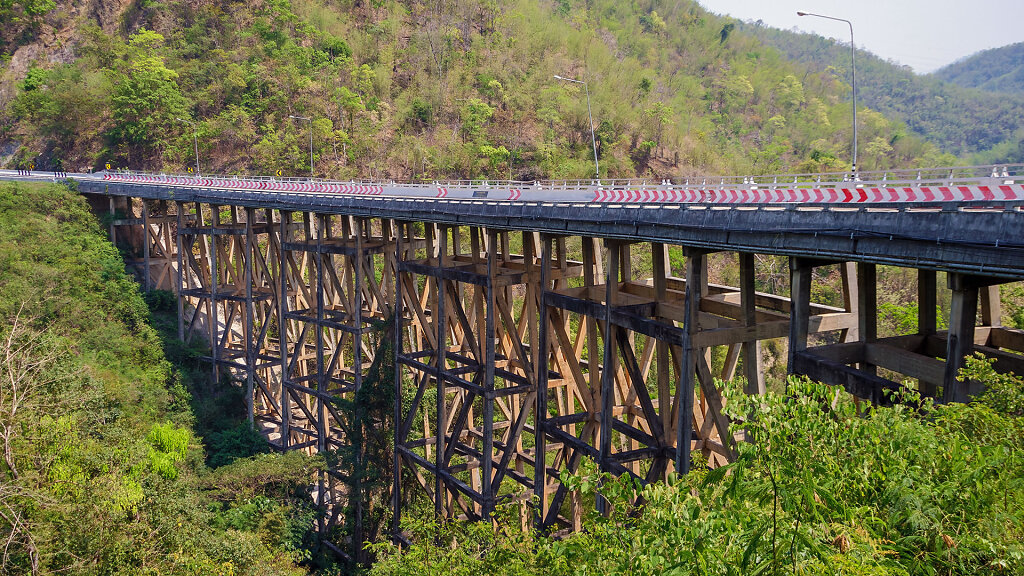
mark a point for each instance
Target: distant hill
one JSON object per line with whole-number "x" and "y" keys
{"x": 447, "y": 89}
{"x": 977, "y": 125}
{"x": 995, "y": 70}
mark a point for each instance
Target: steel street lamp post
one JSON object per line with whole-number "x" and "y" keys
{"x": 310, "y": 120}
{"x": 853, "y": 84}
{"x": 593, "y": 139}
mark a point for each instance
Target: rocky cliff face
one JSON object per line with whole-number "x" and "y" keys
{"x": 52, "y": 37}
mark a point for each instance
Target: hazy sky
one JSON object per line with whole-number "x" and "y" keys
{"x": 923, "y": 34}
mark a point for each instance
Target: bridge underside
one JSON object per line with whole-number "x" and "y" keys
{"x": 519, "y": 354}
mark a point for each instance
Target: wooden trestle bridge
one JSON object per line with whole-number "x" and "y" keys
{"x": 538, "y": 324}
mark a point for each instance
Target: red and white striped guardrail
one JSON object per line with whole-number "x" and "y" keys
{"x": 1008, "y": 192}
{"x": 856, "y": 195}
{"x": 286, "y": 186}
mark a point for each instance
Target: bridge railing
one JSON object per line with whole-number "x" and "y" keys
{"x": 947, "y": 176}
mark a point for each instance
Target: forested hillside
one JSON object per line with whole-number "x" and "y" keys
{"x": 102, "y": 469}
{"x": 995, "y": 70}
{"x": 414, "y": 89}
{"x": 974, "y": 124}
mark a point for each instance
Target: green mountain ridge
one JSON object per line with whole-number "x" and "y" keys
{"x": 976, "y": 125}
{"x": 456, "y": 88}
{"x": 994, "y": 70}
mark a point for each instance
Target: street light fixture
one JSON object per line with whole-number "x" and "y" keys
{"x": 195, "y": 139}
{"x": 593, "y": 140}
{"x": 853, "y": 84}
{"x": 310, "y": 120}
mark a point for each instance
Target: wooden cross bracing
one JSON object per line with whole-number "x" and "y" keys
{"x": 519, "y": 355}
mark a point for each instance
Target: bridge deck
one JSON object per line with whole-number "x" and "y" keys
{"x": 980, "y": 236}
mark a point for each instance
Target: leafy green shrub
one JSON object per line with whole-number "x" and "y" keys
{"x": 912, "y": 489}
{"x": 168, "y": 446}
{"x": 1004, "y": 393}
{"x": 239, "y": 441}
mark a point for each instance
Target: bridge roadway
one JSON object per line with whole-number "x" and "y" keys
{"x": 954, "y": 219}
{"x": 555, "y": 321}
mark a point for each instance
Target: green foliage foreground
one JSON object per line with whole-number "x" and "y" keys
{"x": 822, "y": 490}
{"x": 102, "y": 472}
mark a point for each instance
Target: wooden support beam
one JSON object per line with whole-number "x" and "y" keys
{"x": 613, "y": 257}
{"x": 490, "y": 306}
{"x": 540, "y": 467}
{"x": 990, "y": 305}
{"x": 662, "y": 269}
{"x": 851, "y": 299}
{"x": 440, "y": 416}
{"x": 179, "y": 209}
{"x": 398, "y": 340}
{"x": 867, "y": 308}
{"x": 753, "y": 369}
{"x": 282, "y": 323}
{"x": 904, "y": 362}
{"x": 860, "y": 384}
{"x": 696, "y": 268}
{"x": 147, "y": 277}
{"x": 926, "y": 301}
{"x": 214, "y": 282}
{"x": 250, "y": 340}
{"x": 800, "y": 298}
{"x": 960, "y": 343}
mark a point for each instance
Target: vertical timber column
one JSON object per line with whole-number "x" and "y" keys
{"x": 991, "y": 315}
{"x": 661, "y": 269}
{"x": 113, "y": 216}
{"x": 359, "y": 225}
{"x": 145, "y": 245}
{"x": 396, "y": 462}
{"x": 441, "y": 418}
{"x": 180, "y": 208}
{"x": 250, "y": 338}
{"x": 533, "y": 302}
{"x": 851, "y": 299}
{"x": 320, "y": 223}
{"x": 487, "y": 463}
{"x": 926, "y": 318}
{"x": 867, "y": 307}
{"x": 613, "y": 251}
{"x": 927, "y": 300}
{"x": 963, "y": 311}
{"x": 753, "y": 370}
{"x": 282, "y": 327}
{"x": 320, "y": 228}
{"x": 591, "y": 274}
{"x": 214, "y": 278}
{"x": 800, "y": 306}
{"x": 540, "y": 417}
{"x": 695, "y": 280}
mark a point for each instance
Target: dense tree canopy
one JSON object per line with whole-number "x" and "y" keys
{"x": 458, "y": 88}
{"x": 946, "y": 108}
